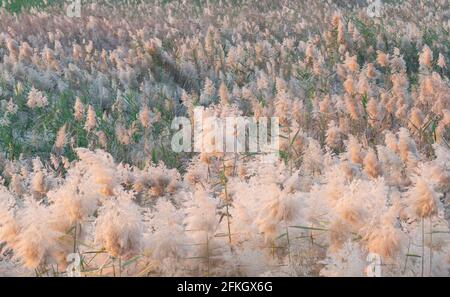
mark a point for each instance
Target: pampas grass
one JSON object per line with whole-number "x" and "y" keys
{"x": 86, "y": 164}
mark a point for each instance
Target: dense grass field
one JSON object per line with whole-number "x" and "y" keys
{"x": 92, "y": 182}
{"x": 16, "y": 6}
